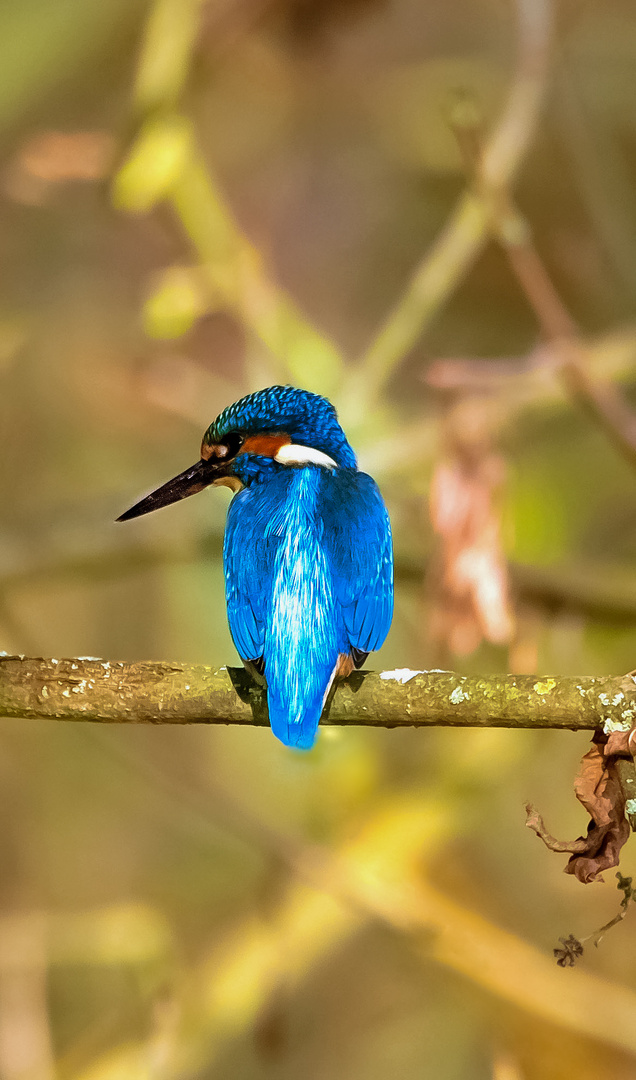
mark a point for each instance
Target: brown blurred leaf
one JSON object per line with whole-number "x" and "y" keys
{"x": 470, "y": 579}
{"x": 67, "y": 155}
{"x": 54, "y": 157}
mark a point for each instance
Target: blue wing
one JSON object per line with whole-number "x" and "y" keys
{"x": 248, "y": 559}
{"x": 358, "y": 537}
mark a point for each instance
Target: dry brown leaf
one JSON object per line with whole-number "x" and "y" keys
{"x": 534, "y": 821}
{"x": 598, "y": 788}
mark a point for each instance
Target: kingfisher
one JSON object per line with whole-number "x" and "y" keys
{"x": 307, "y": 552}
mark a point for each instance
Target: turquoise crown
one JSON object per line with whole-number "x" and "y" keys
{"x": 308, "y": 419}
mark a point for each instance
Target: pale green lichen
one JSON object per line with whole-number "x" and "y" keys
{"x": 630, "y": 806}
{"x": 544, "y": 687}
{"x": 458, "y": 696}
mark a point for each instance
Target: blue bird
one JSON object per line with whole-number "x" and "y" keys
{"x": 307, "y": 554}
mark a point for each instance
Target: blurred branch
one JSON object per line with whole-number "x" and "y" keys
{"x": 532, "y": 380}
{"x": 468, "y": 229}
{"x": 105, "y": 562}
{"x": 170, "y": 35}
{"x": 237, "y": 275}
{"x": 602, "y": 172}
{"x": 376, "y": 877}
{"x": 532, "y": 383}
{"x": 602, "y": 401}
{"x": 26, "y": 1043}
{"x": 594, "y": 589}
{"x": 166, "y": 165}
{"x": 607, "y": 594}
{"x": 88, "y": 689}
{"x": 599, "y": 397}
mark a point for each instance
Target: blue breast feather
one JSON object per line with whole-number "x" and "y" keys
{"x": 309, "y": 575}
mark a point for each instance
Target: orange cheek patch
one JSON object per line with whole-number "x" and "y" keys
{"x": 264, "y": 445}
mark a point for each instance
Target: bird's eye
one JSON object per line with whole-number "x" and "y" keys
{"x": 231, "y": 444}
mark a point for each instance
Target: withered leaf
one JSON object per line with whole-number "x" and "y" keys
{"x": 598, "y": 788}
{"x": 534, "y": 821}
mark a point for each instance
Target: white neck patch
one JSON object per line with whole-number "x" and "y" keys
{"x": 293, "y": 454}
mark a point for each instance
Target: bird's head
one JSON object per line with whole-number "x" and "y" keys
{"x": 279, "y": 427}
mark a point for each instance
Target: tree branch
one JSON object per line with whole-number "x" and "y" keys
{"x": 120, "y": 693}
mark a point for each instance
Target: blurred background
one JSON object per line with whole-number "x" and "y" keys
{"x": 427, "y": 212}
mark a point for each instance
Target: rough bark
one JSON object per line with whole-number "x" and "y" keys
{"x": 114, "y": 692}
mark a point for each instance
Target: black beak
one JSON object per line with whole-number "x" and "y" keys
{"x": 186, "y": 483}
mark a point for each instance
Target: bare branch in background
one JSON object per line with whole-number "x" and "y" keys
{"x": 468, "y": 228}
{"x": 532, "y": 381}
{"x": 607, "y": 594}
{"x": 599, "y": 397}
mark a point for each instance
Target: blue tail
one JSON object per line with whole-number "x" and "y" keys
{"x": 294, "y": 728}
{"x": 301, "y": 642}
